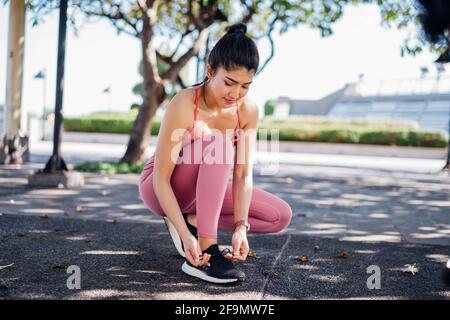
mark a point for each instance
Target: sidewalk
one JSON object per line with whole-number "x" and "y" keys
{"x": 379, "y": 217}
{"x": 406, "y": 160}
{"x": 285, "y": 146}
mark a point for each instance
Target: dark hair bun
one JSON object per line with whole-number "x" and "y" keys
{"x": 237, "y": 28}
{"x": 234, "y": 50}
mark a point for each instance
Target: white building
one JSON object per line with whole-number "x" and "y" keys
{"x": 424, "y": 101}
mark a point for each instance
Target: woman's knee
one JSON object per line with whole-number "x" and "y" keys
{"x": 284, "y": 215}
{"x": 148, "y": 196}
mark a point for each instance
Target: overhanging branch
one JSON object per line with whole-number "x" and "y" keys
{"x": 272, "y": 45}
{"x": 115, "y": 18}
{"x": 176, "y": 66}
{"x": 180, "y": 42}
{"x": 164, "y": 58}
{"x": 251, "y": 10}
{"x": 180, "y": 82}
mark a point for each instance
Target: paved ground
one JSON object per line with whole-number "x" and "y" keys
{"x": 283, "y": 146}
{"x": 379, "y": 216}
{"x": 424, "y": 160}
{"x": 136, "y": 260}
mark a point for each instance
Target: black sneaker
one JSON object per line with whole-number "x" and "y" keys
{"x": 221, "y": 270}
{"x": 176, "y": 237}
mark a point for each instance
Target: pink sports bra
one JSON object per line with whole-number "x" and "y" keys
{"x": 236, "y": 132}
{"x": 189, "y": 136}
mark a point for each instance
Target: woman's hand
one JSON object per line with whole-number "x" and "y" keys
{"x": 193, "y": 252}
{"x": 240, "y": 244}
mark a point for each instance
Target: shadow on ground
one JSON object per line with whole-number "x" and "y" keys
{"x": 137, "y": 261}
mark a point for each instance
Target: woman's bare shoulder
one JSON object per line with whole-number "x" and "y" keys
{"x": 185, "y": 98}
{"x": 182, "y": 106}
{"x": 249, "y": 111}
{"x": 188, "y": 94}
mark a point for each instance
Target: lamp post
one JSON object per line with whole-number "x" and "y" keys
{"x": 55, "y": 172}
{"x": 107, "y": 91}
{"x": 42, "y": 75}
{"x": 445, "y": 58}
{"x": 56, "y": 163}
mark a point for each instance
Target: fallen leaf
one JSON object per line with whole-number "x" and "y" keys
{"x": 413, "y": 268}
{"x": 59, "y": 266}
{"x": 252, "y": 254}
{"x": 343, "y": 254}
{"x": 8, "y": 266}
{"x": 44, "y": 216}
{"x": 79, "y": 209}
{"x": 316, "y": 248}
{"x": 289, "y": 180}
{"x": 303, "y": 258}
{"x": 270, "y": 274}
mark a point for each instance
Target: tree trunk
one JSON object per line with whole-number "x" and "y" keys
{"x": 154, "y": 86}
{"x": 154, "y": 95}
{"x": 140, "y": 134}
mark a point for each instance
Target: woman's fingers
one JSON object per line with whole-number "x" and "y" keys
{"x": 239, "y": 257}
{"x": 239, "y": 252}
{"x": 202, "y": 260}
{"x": 234, "y": 257}
{"x": 236, "y": 247}
{"x": 205, "y": 259}
{"x": 195, "y": 256}
{"x": 244, "y": 253}
{"x": 229, "y": 256}
{"x": 190, "y": 258}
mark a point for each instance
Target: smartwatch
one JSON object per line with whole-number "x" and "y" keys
{"x": 243, "y": 223}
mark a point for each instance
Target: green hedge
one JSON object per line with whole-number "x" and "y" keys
{"x": 108, "y": 167}
{"x": 104, "y": 125}
{"x": 399, "y": 138}
{"x": 314, "y": 130}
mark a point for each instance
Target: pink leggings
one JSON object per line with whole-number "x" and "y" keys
{"x": 203, "y": 188}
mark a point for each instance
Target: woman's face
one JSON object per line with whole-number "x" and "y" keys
{"x": 229, "y": 86}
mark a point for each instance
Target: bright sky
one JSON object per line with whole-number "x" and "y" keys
{"x": 305, "y": 65}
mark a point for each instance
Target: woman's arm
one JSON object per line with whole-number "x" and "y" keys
{"x": 243, "y": 180}
{"x": 177, "y": 116}
{"x": 243, "y": 168}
